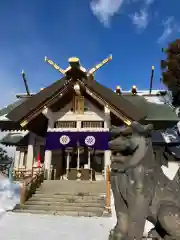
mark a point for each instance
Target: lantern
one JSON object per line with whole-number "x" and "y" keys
{"x": 118, "y": 90}
{"x": 134, "y": 89}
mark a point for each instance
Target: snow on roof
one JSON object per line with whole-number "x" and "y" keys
{"x": 4, "y": 118}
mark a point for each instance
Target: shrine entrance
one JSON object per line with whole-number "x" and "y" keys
{"x": 83, "y": 159}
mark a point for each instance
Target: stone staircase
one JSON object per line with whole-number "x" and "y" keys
{"x": 68, "y": 198}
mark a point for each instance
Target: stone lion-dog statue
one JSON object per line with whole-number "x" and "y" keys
{"x": 140, "y": 188}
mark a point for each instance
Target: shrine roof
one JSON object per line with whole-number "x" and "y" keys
{"x": 119, "y": 102}
{"x": 36, "y": 100}
{"x": 16, "y": 139}
{"x": 5, "y": 122}
{"x": 154, "y": 111}
{"x": 6, "y": 110}
{"x": 134, "y": 107}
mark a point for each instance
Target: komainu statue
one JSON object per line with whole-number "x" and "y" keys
{"x": 140, "y": 188}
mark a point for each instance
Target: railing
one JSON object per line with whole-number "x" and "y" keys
{"x": 108, "y": 190}
{"x": 23, "y": 173}
{"x": 29, "y": 186}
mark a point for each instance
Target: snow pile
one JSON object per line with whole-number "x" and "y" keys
{"x": 9, "y": 194}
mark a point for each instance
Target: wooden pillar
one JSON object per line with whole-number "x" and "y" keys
{"x": 21, "y": 159}
{"x": 17, "y": 159}
{"x": 107, "y": 160}
{"x": 48, "y": 155}
{"x": 30, "y": 152}
{"x": 67, "y": 163}
{"x": 78, "y": 158}
{"x": 47, "y": 163}
{"x": 108, "y": 190}
{"x": 89, "y": 158}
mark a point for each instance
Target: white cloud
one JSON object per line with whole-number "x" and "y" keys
{"x": 149, "y": 2}
{"x": 146, "y": 2}
{"x": 104, "y": 10}
{"x": 140, "y": 19}
{"x": 170, "y": 27}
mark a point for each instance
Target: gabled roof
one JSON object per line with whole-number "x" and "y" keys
{"x": 119, "y": 102}
{"x": 5, "y": 111}
{"x": 154, "y": 111}
{"x": 132, "y": 106}
{"x": 32, "y": 103}
{"x": 5, "y": 122}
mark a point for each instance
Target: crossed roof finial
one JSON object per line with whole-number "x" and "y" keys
{"x": 74, "y": 63}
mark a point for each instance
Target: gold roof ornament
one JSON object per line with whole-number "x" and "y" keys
{"x": 118, "y": 90}
{"x": 54, "y": 65}
{"x": 134, "y": 89}
{"x": 73, "y": 60}
{"x": 99, "y": 65}
{"x": 74, "y": 63}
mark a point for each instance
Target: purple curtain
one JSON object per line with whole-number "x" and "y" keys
{"x": 59, "y": 140}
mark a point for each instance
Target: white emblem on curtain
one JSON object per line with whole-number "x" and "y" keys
{"x": 90, "y": 140}
{"x": 64, "y": 140}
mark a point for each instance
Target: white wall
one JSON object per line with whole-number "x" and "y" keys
{"x": 93, "y": 114}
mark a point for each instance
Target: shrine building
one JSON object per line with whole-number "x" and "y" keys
{"x": 66, "y": 125}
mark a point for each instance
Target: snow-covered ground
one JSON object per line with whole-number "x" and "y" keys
{"x": 19, "y": 226}
{"x": 9, "y": 194}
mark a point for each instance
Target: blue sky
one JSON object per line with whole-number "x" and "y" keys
{"x": 133, "y": 31}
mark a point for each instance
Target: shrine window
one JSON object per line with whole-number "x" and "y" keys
{"x": 65, "y": 124}
{"x": 92, "y": 124}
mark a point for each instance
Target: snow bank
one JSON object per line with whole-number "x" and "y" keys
{"x": 9, "y": 194}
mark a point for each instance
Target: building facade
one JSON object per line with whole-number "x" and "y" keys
{"x": 66, "y": 125}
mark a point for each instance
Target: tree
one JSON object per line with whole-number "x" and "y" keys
{"x": 4, "y": 156}
{"x": 5, "y": 162}
{"x": 171, "y": 70}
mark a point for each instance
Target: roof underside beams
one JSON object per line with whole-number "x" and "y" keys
{"x": 38, "y": 101}
{"x": 118, "y": 102}
{"x": 67, "y": 96}
{"x": 29, "y": 113}
{"x": 124, "y": 115}
{"x": 49, "y": 102}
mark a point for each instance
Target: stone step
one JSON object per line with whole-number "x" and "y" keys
{"x": 62, "y": 208}
{"x": 61, "y": 213}
{"x": 41, "y": 195}
{"x": 67, "y": 199}
{"x": 74, "y": 193}
{"x": 53, "y": 186}
{"x": 64, "y": 204}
